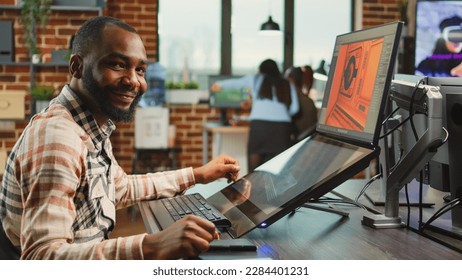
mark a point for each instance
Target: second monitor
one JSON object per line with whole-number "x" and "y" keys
{"x": 227, "y": 98}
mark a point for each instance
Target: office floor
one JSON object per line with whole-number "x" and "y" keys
{"x": 129, "y": 222}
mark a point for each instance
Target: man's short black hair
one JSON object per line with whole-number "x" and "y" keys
{"x": 90, "y": 33}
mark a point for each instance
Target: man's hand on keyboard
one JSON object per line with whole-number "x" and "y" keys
{"x": 220, "y": 167}
{"x": 186, "y": 238}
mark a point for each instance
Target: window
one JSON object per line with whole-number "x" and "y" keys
{"x": 249, "y": 48}
{"x": 190, "y": 35}
{"x": 316, "y": 24}
{"x": 189, "y": 38}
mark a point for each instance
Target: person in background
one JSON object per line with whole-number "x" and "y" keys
{"x": 62, "y": 184}
{"x": 446, "y": 59}
{"x": 273, "y": 103}
{"x": 306, "y": 119}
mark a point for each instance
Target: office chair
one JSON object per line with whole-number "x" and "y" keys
{"x": 8, "y": 250}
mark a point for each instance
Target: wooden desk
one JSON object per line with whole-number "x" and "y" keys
{"x": 317, "y": 235}
{"x": 231, "y": 140}
{"x": 443, "y": 229}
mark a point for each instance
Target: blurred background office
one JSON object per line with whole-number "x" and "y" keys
{"x": 190, "y": 40}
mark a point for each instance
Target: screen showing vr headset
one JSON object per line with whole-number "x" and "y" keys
{"x": 438, "y": 48}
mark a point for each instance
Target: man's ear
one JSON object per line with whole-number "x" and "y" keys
{"x": 76, "y": 66}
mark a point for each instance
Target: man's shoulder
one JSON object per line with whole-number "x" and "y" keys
{"x": 57, "y": 120}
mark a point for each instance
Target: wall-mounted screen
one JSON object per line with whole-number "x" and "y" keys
{"x": 438, "y": 47}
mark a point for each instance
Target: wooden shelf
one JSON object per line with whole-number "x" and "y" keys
{"x": 37, "y": 65}
{"x": 6, "y": 63}
{"x": 58, "y": 8}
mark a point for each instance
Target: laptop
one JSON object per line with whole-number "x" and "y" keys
{"x": 344, "y": 143}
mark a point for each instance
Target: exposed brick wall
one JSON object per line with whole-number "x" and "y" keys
{"x": 61, "y": 25}
{"x": 377, "y": 12}
{"x": 142, "y": 15}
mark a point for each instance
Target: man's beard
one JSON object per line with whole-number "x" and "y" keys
{"x": 101, "y": 96}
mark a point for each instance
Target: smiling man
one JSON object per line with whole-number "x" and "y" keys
{"x": 62, "y": 184}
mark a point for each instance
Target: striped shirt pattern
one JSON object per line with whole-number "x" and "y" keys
{"x": 62, "y": 186}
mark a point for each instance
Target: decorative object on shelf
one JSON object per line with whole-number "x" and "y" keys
{"x": 33, "y": 14}
{"x": 36, "y": 58}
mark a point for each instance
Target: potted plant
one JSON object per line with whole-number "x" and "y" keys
{"x": 42, "y": 95}
{"x": 184, "y": 93}
{"x": 402, "y": 7}
{"x": 33, "y": 14}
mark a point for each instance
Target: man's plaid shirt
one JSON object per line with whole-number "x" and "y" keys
{"x": 62, "y": 185}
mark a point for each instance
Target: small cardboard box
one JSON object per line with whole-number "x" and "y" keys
{"x": 151, "y": 128}
{"x": 12, "y": 104}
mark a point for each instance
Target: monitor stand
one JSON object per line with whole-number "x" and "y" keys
{"x": 376, "y": 196}
{"x": 330, "y": 208}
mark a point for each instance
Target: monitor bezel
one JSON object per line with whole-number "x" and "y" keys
{"x": 363, "y": 138}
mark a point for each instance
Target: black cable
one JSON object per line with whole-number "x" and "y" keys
{"x": 401, "y": 152}
{"x": 363, "y": 190}
{"x": 436, "y": 239}
{"x": 394, "y": 128}
{"x": 411, "y": 107}
{"x": 390, "y": 115}
{"x": 414, "y": 131}
{"x": 445, "y": 139}
{"x": 420, "y": 198}
{"x": 408, "y": 204}
{"x": 450, "y": 205}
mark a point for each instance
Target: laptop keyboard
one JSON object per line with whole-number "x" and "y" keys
{"x": 194, "y": 204}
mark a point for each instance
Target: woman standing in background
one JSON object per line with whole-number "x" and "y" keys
{"x": 306, "y": 119}
{"x": 274, "y": 101}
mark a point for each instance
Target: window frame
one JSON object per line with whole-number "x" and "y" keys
{"x": 225, "y": 67}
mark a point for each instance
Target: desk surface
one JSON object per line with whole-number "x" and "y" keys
{"x": 219, "y": 128}
{"x": 317, "y": 235}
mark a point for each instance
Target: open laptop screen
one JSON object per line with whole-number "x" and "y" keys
{"x": 360, "y": 74}
{"x": 288, "y": 180}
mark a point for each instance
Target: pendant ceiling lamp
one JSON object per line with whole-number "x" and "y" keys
{"x": 270, "y": 27}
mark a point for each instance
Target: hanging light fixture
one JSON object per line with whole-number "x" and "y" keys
{"x": 270, "y": 27}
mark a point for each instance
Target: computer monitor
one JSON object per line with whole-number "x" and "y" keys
{"x": 358, "y": 78}
{"x": 227, "y": 98}
{"x": 442, "y": 171}
{"x": 438, "y": 45}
